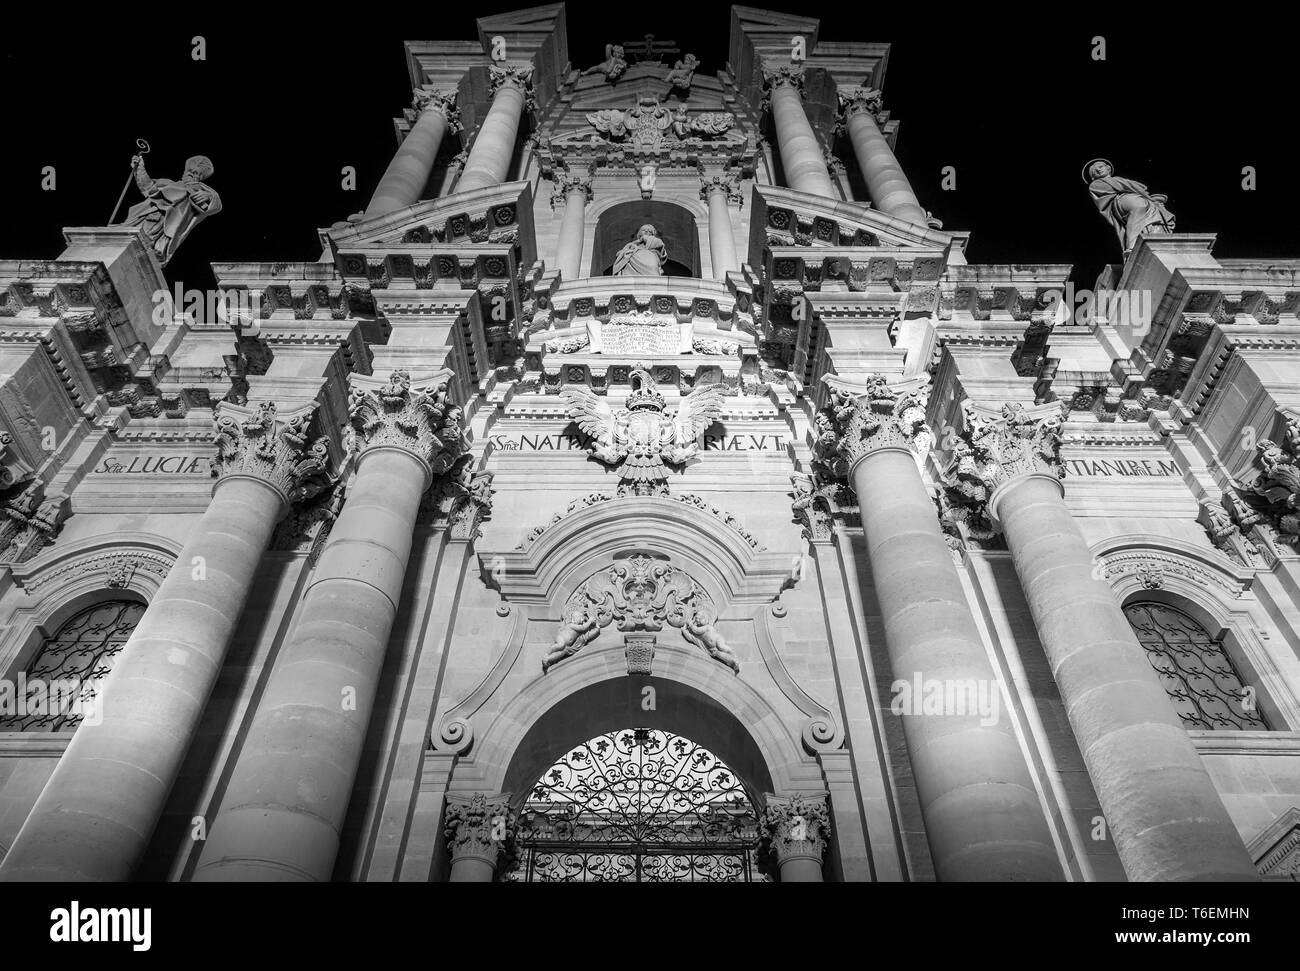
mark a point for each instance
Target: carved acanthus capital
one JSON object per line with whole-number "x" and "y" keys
{"x": 12, "y": 468}
{"x": 783, "y": 77}
{"x": 419, "y": 419}
{"x": 729, "y": 186}
{"x": 856, "y": 101}
{"x": 254, "y": 440}
{"x": 566, "y": 186}
{"x": 854, "y": 425}
{"x": 995, "y": 449}
{"x": 30, "y": 521}
{"x": 796, "y": 827}
{"x": 520, "y": 78}
{"x": 480, "y": 826}
{"x": 442, "y": 102}
{"x": 812, "y": 505}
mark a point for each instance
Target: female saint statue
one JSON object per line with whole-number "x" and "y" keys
{"x": 644, "y": 256}
{"x": 1126, "y": 204}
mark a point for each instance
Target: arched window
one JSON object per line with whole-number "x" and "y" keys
{"x": 1196, "y": 673}
{"x": 65, "y": 673}
{"x": 638, "y": 806}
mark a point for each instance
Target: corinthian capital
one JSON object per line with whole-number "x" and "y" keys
{"x": 566, "y": 185}
{"x": 442, "y": 102}
{"x": 515, "y": 77}
{"x": 855, "y": 101}
{"x": 781, "y": 77}
{"x": 796, "y": 827}
{"x": 481, "y": 827}
{"x": 855, "y": 424}
{"x": 419, "y": 419}
{"x": 254, "y": 440}
{"x": 994, "y": 449}
{"x": 729, "y": 186}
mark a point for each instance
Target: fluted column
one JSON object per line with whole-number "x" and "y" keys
{"x": 494, "y": 145}
{"x": 1161, "y": 807}
{"x": 795, "y": 831}
{"x": 718, "y": 192}
{"x": 886, "y": 182}
{"x": 480, "y": 832}
{"x": 97, "y": 813}
{"x": 802, "y": 157}
{"x": 575, "y": 193}
{"x": 285, "y": 804}
{"x": 408, "y": 173}
{"x": 982, "y": 813}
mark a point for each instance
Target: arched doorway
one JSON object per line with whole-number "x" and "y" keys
{"x": 618, "y": 224}
{"x": 638, "y": 805}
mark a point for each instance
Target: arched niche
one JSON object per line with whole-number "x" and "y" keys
{"x": 617, "y": 226}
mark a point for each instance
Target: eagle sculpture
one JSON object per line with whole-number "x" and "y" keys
{"x": 641, "y": 435}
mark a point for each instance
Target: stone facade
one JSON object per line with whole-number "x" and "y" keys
{"x": 717, "y": 445}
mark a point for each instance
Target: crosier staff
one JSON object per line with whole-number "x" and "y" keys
{"x": 143, "y": 147}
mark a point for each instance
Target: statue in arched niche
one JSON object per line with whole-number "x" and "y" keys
{"x": 644, "y": 256}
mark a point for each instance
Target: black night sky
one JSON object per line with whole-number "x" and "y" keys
{"x": 1012, "y": 99}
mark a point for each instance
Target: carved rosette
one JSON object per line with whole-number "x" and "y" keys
{"x": 796, "y": 827}
{"x": 480, "y": 827}
{"x": 854, "y": 426}
{"x": 855, "y": 101}
{"x": 515, "y": 77}
{"x": 255, "y": 441}
{"x": 566, "y": 186}
{"x": 419, "y": 419}
{"x": 729, "y": 186}
{"x": 442, "y": 102}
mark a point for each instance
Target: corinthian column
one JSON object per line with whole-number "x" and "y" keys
{"x": 494, "y": 145}
{"x": 886, "y": 183}
{"x": 284, "y": 807}
{"x": 480, "y": 832}
{"x": 802, "y": 157}
{"x": 982, "y": 813}
{"x": 795, "y": 832}
{"x": 408, "y": 173}
{"x": 717, "y": 192}
{"x": 576, "y": 193}
{"x": 97, "y": 813}
{"x": 1161, "y": 807}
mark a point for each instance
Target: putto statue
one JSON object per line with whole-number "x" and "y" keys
{"x": 683, "y": 73}
{"x": 644, "y": 256}
{"x": 171, "y": 210}
{"x": 641, "y": 435}
{"x": 1127, "y": 205}
{"x": 612, "y": 66}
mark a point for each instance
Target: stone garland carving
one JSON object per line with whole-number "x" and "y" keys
{"x": 254, "y": 441}
{"x": 567, "y": 345}
{"x": 420, "y": 420}
{"x": 30, "y": 522}
{"x": 852, "y": 426}
{"x": 793, "y": 827}
{"x": 641, "y": 436}
{"x": 641, "y": 593}
{"x": 995, "y": 450}
{"x": 715, "y": 348}
{"x": 481, "y": 827}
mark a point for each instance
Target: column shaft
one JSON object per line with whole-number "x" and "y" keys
{"x": 97, "y": 813}
{"x": 1161, "y": 807}
{"x": 494, "y": 146}
{"x": 982, "y": 813}
{"x": 722, "y": 243}
{"x": 408, "y": 173}
{"x": 572, "y": 229}
{"x": 801, "y": 154}
{"x": 285, "y": 805}
{"x": 886, "y": 182}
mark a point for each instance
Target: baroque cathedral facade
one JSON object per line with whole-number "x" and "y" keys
{"x": 645, "y": 487}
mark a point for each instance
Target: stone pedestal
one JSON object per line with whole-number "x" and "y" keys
{"x": 576, "y": 193}
{"x": 480, "y": 832}
{"x": 983, "y": 816}
{"x": 886, "y": 182}
{"x": 802, "y": 157}
{"x": 408, "y": 173}
{"x": 718, "y": 192}
{"x": 288, "y": 795}
{"x": 1161, "y": 807}
{"x": 494, "y": 144}
{"x": 97, "y": 813}
{"x": 796, "y": 830}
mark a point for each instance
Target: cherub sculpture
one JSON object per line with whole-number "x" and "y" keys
{"x": 683, "y": 73}
{"x": 578, "y": 630}
{"x": 699, "y": 630}
{"x": 612, "y": 66}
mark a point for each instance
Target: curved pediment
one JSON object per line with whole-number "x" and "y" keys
{"x": 784, "y": 217}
